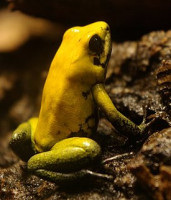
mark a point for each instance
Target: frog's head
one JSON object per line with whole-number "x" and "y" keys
{"x": 86, "y": 51}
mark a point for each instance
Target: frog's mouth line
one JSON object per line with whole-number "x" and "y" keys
{"x": 107, "y": 58}
{"x": 108, "y": 46}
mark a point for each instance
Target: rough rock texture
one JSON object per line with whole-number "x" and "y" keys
{"x": 133, "y": 82}
{"x": 152, "y": 165}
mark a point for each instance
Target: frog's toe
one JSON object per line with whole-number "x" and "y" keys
{"x": 66, "y": 178}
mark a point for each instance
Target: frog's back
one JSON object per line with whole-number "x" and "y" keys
{"x": 70, "y": 113}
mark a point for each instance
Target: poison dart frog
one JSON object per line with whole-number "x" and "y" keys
{"x": 57, "y": 144}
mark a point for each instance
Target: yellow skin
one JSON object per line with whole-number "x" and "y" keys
{"x": 71, "y": 76}
{"x": 56, "y": 144}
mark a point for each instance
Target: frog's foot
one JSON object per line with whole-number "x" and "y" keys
{"x": 63, "y": 178}
{"x": 68, "y": 160}
{"x": 21, "y": 140}
{"x": 145, "y": 126}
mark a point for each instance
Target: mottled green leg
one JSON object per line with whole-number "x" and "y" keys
{"x": 68, "y": 160}
{"x": 21, "y": 139}
{"x": 121, "y": 123}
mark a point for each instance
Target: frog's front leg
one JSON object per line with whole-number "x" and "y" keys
{"x": 21, "y": 142}
{"x": 121, "y": 123}
{"x": 67, "y": 160}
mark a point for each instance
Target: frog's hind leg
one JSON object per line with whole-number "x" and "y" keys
{"x": 68, "y": 160}
{"x": 21, "y": 139}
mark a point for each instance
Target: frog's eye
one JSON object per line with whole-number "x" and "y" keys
{"x": 96, "y": 44}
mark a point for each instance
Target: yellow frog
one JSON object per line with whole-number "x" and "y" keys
{"x": 57, "y": 144}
